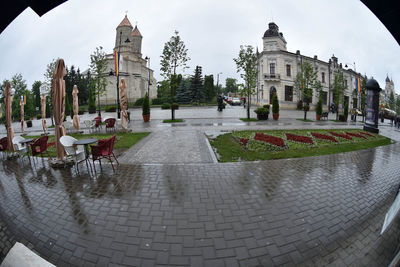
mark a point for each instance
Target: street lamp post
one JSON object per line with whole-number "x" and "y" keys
{"x": 148, "y": 84}
{"x": 218, "y": 82}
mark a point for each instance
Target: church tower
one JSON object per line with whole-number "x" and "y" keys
{"x": 273, "y": 39}
{"x": 136, "y": 37}
{"x": 123, "y": 36}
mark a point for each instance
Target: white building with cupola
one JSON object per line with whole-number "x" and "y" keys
{"x": 277, "y": 70}
{"x": 132, "y": 67}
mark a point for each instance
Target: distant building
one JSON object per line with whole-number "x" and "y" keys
{"x": 385, "y": 93}
{"x": 133, "y": 67}
{"x": 277, "y": 70}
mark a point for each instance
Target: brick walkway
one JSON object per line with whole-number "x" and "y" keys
{"x": 325, "y": 210}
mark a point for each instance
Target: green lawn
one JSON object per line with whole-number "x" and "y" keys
{"x": 123, "y": 143}
{"x": 230, "y": 147}
{"x": 246, "y": 119}
{"x": 170, "y": 121}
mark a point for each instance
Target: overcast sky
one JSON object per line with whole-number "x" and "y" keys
{"x": 212, "y": 30}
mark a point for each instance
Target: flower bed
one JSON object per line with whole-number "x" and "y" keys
{"x": 324, "y": 137}
{"x": 345, "y": 136}
{"x": 356, "y": 135}
{"x": 367, "y": 134}
{"x": 243, "y": 141}
{"x": 299, "y": 138}
{"x": 269, "y": 139}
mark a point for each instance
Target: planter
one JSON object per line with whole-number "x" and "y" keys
{"x": 275, "y": 116}
{"x": 92, "y": 110}
{"x": 146, "y": 118}
{"x": 29, "y": 123}
{"x": 262, "y": 117}
{"x": 318, "y": 117}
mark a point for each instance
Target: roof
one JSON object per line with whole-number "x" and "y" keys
{"x": 273, "y": 30}
{"x": 136, "y": 32}
{"x": 125, "y": 22}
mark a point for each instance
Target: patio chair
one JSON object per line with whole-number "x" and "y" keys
{"x": 68, "y": 126}
{"x": 4, "y": 145}
{"x": 97, "y": 125}
{"x": 110, "y": 123}
{"x": 20, "y": 148}
{"x": 104, "y": 149}
{"x": 89, "y": 124}
{"x": 40, "y": 146}
{"x": 76, "y": 153}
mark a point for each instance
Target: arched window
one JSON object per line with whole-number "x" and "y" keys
{"x": 272, "y": 91}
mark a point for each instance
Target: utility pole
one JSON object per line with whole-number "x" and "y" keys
{"x": 217, "y": 83}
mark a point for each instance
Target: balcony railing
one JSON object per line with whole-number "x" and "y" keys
{"x": 272, "y": 77}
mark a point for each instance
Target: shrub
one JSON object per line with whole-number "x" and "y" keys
{"x": 139, "y": 101}
{"x": 81, "y": 111}
{"x": 92, "y": 110}
{"x": 266, "y": 106}
{"x": 146, "y": 105}
{"x": 157, "y": 101}
{"x": 262, "y": 111}
{"x": 175, "y": 106}
{"x": 300, "y": 105}
{"x": 341, "y": 117}
{"x": 165, "y": 106}
{"x": 111, "y": 108}
{"x": 38, "y": 116}
{"x": 318, "y": 109}
{"x": 29, "y": 123}
{"x": 275, "y": 104}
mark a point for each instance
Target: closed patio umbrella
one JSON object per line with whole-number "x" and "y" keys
{"x": 22, "y": 104}
{"x": 124, "y": 104}
{"x": 7, "y": 105}
{"x": 76, "y": 107}
{"x": 58, "y": 91}
{"x": 43, "y": 103}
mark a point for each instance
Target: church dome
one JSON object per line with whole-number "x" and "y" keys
{"x": 273, "y": 31}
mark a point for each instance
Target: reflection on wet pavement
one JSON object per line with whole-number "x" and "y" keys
{"x": 311, "y": 211}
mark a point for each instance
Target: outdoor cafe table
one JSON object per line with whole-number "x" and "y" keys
{"x": 27, "y": 142}
{"x": 86, "y": 142}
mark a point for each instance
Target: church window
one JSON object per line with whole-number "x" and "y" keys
{"x": 323, "y": 77}
{"x": 288, "y": 93}
{"x": 272, "y": 68}
{"x": 288, "y": 70}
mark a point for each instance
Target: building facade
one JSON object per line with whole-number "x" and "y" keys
{"x": 384, "y": 97}
{"x": 278, "y": 68}
{"x": 132, "y": 67}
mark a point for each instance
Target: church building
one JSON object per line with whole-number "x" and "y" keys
{"x": 277, "y": 70}
{"x": 132, "y": 66}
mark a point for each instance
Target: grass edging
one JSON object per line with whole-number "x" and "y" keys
{"x": 172, "y": 121}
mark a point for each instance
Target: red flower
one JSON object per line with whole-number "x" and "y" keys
{"x": 269, "y": 139}
{"x": 299, "y": 138}
{"x": 244, "y": 141}
{"x": 366, "y": 133}
{"x": 345, "y": 136}
{"x": 356, "y": 135}
{"x": 324, "y": 136}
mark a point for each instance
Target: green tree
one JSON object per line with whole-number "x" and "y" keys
{"x": 29, "y": 108}
{"x": 209, "y": 88}
{"x": 306, "y": 82}
{"x": 196, "y": 86}
{"x": 398, "y": 105}
{"x": 174, "y": 56}
{"x": 184, "y": 95}
{"x": 91, "y": 101}
{"x": 363, "y": 95}
{"x": 164, "y": 91}
{"x": 392, "y": 101}
{"x": 20, "y": 87}
{"x": 98, "y": 67}
{"x": 230, "y": 86}
{"x": 36, "y": 94}
{"x": 247, "y": 63}
{"x": 338, "y": 88}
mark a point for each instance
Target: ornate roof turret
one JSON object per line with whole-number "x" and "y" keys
{"x": 136, "y": 32}
{"x": 387, "y": 79}
{"x": 273, "y": 30}
{"x": 125, "y": 22}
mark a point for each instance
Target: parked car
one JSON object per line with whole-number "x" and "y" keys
{"x": 236, "y": 101}
{"x": 229, "y": 100}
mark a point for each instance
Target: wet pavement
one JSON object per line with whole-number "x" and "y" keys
{"x": 325, "y": 210}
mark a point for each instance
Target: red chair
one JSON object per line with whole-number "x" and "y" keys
{"x": 110, "y": 123}
{"x": 98, "y": 123}
{"x": 40, "y": 146}
{"x": 104, "y": 149}
{"x": 4, "y": 144}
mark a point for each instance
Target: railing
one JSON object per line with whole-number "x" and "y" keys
{"x": 272, "y": 77}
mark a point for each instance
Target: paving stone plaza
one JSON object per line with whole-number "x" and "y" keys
{"x": 170, "y": 203}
